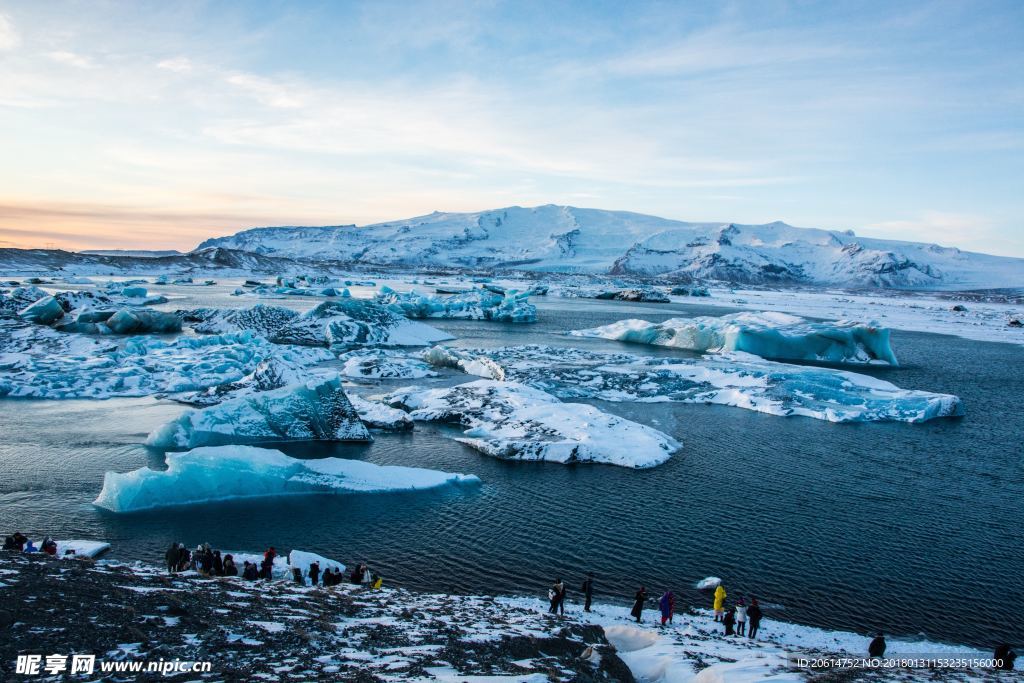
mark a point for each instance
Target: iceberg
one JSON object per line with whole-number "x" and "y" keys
{"x": 43, "y": 312}
{"x": 638, "y": 294}
{"x": 127, "y": 321}
{"x": 75, "y": 548}
{"x": 206, "y": 475}
{"x": 301, "y": 559}
{"x": 516, "y": 422}
{"x": 739, "y": 379}
{"x": 272, "y": 373}
{"x": 471, "y": 364}
{"x": 38, "y": 362}
{"x": 15, "y": 300}
{"x": 487, "y": 303}
{"x": 376, "y": 415}
{"x": 358, "y": 323}
{"x": 383, "y": 364}
{"x": 317, "y": 410}
{"x": 766, "y": 334}
{"x": 265, "y": 320}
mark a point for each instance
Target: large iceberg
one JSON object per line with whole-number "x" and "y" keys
{"x": 317, "y": 410}
{"x": 486, "y": 303}
{"x": 356, "y": 322}
{"x": 206, "y": 475}
{"x": 265, "y": 320}
{"x": 37, "y": 362}
{"x": 739, "y": 379}
{"x": 513, "y": 421}
{"x": 766, "y": 334}
{"x": 383, "y": 364}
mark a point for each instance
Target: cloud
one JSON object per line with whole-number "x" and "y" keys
{"x": 176, "y": 64}
{"x": 966, "y": 230}
{"x": 9, "y": 38}
{"x": 71, "y": 59}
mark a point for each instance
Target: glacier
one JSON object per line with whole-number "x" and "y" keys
{"x": 739, "y": 379}
{"x": 206, "y": 475}
{"x": 485, "y": 303}
{"x": 766, "y": 334}
{"x": 38, "y": 362}
{"x": 317, "y": 410}
{"x": 513, "y": 421}
{"x": 355, "y": 322}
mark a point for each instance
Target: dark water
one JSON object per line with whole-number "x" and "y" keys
{"x": 912, "y": 529}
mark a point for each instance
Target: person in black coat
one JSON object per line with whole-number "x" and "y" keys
{"x": 218, "y": 564}
{"x": 754, "y": 615}
{"x": 877, "y": 646}
{"x": 184, "y": 557}
{"x": 314, "y": 573}
{"x": 638, "y": 603}
{"x": 172, "y": 558}
{"x": 588, "y": 591}
{"x": 1005, "y": 657}
{"x": 729, "y": 621}
{"x": 230, "y": 568}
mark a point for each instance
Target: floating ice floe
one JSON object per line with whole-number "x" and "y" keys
{"x": 265, "y": 320}
{"x": 513, "y": 421}
{"x": 272, "y": 373}
{"x": 739, "y": 379}
{"x": 376, "y": 415}
{"x": 358, "y": 323}
{"x": 206, "y": 475}
{"x": 766, "y": 334}
{"x": 383, "y": 364}
{"x": 486, "y": 303}
{"x": 317, "y": 410}
{"x": 81, "y": 548}
{"x": 469, "y": 363}
{"x": 38, "y": 362}
{"x": 708, "y": 583}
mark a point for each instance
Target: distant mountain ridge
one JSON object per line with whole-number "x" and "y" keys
{"x": 565, "y": 239}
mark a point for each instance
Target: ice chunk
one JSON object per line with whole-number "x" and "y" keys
{"x": 43, "y": 312}
{"x": 766, "y": 334}
{"x": 471, "y": 364}
{"x": 272, "y": 373}
{"x": 81, "y": 548}
{"x": 38, "y": 362}
{"x": 514, "y": 421}
{"x": 639, "y": 294}
{"x": 383, "y": 364}
{"x": 15, "y": 300}
{"x": 134, "y": 292}
{"x": 301, "y": 559}
{"x": 376, "y": 415}
{"x": 128, "y": 321}
{"x": 488, "y": 303}
{"x": 738, "y": 379}
{"x": 221, "y": 473}
{"x": 266, "y": 320}
{"x": 318, "y": 410}
{"x": 356, "y": 322}
{"x": 708, "y": 583}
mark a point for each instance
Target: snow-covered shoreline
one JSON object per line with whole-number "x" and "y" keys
{"x": 266, "y": 628}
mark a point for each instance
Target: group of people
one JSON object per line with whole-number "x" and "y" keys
{"x": 736, "y": 618}
{"x": 23, "y": 544}
{"x": 666, "y": 605}
{"x": 209, "y": 562}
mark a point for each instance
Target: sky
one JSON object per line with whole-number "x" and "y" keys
{"x": 157, "y": 125}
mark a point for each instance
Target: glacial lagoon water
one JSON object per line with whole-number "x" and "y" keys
{"x": 911, "y": 529}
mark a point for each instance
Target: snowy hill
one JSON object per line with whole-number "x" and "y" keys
{"x": 571, "y": 240}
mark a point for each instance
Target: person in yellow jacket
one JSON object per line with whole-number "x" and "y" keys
{"x": 378, "y": 581}
{"x": 719, "y": 602}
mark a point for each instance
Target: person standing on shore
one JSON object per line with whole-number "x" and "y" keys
{"x": 638, "y": 603}
{"x": 314, "y": 573}
{"x": 172, "y": 558}
{"x": 720, "y": 596}
{"x": 557, "y": 596}
{"x": 588, "y": 591}
{"x": 729, "y": 620}
{"x": 667, "y": 604}
{"x": 876, "y": 648}
{"x": 741, "y": 618}
{"x": 754, "y": 617}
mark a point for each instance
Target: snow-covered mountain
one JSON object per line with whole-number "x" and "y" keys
{"x": 571, "y": 240}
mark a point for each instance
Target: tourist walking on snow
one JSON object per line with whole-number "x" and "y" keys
{"x": 314, "y": 573}
{"x": 588, "y": 591}
{"x": 638, "y": 603}
{"x": 267, "y": 567}
{"x": 556, "y": 594}
{"x": 753, "y": 617}
{"x": 229, "y": 566}
{"x": 667, "y": 604}
{"x": 172, "y": 558}
{"x": 877, "y": 646}
{"x": 720, "y": 595}
{"x": 729, "y": 620}
{"x": 741, "y": 618}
